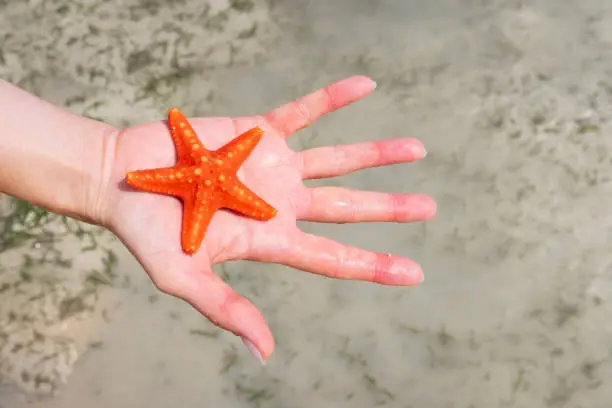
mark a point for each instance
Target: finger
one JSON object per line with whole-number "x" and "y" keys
{"x": 335, "y": 161}
{"x": 332, "y": 259}
{"x": 304, "y": 111}
{"x": 340, "y": 205}
{"x": 212, "y": 297}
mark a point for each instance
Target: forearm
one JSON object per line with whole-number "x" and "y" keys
{"x": 51, "y": 157}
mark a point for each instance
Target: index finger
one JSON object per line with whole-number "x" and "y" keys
{"x": 326, "y": 257}
{"x": 302, "y": 112}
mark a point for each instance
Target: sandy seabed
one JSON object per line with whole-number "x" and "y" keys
{"x": 512, "y": 100}
{"x": 54, "y": 274}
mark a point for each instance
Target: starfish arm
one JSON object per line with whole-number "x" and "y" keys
{"x": 233, "y": 154}
{"x": 168, "y": 180}
{"x": 185, "y": 139}
{"x": 237, "y": 197}
{"x": 199, "y": 208}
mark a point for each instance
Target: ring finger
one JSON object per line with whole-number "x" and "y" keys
{"x": 333, "y": 161}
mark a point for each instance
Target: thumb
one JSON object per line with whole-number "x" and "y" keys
{"x": 216, "y": 300}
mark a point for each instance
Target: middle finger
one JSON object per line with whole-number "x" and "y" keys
{"x": 341, "y": 205}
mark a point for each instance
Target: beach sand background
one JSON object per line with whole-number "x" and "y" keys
{"x": 513, "y": 102}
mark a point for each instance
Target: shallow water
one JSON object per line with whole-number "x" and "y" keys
{"x": 512, "y": 100}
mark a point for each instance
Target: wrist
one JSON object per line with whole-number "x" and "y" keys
{"x": 53, "y": 158}
{"x": 90, "y": 201}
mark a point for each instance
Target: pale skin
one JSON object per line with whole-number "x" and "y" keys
{"x": 89, "y": 160}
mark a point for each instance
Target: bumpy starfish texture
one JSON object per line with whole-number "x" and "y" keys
{"x": 204, "y": 180}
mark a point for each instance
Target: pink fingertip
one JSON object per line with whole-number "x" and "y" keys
{"x": 391, "y": 270}
{"x": 425, "y": 207}
{"x": 412, "y": 207}
{"x": 417, "y": 149}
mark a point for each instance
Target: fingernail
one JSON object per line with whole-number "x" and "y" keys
{"x": 422, "y": 278}
{"x": 374, "y": 84}
{"x": 424, "y": 152}
{"x": 253, "y": 350}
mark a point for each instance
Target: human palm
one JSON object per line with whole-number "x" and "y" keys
{"x": 150, "y": 224}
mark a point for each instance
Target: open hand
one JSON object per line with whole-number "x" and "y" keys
{"x": 150, "y": 224}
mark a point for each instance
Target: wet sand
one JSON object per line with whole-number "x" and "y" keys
{"x": 512, "y": 100}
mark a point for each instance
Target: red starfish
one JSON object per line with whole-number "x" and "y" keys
{"x": 204, "y": 180}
